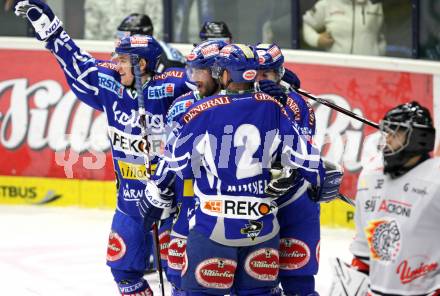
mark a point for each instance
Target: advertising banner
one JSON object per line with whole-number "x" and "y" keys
{"x": 45, "y": 131}
{"x": 369, "y": 93}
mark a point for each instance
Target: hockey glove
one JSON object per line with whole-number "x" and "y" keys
{"x": 39, "y": 14}
{"x": 282, "y": 180}
{"x": 329, "y": 188}
{"x": 155, "y": 205}
{"x": 273, "y": 89}
{"x": 291, "y": 78}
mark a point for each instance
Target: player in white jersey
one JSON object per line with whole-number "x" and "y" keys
{"x": 397, "y": 239}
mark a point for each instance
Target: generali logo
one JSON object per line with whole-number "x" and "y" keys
{"x": 415, "y": 268}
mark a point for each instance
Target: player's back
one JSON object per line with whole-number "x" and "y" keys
{"x": 236, "y": 137}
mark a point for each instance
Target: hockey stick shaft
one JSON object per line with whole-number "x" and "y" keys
{"x": 158, "y": 259}
{"x": 346, "y": 199}
{"x": 141, "y": 111}
{"x": 337, "y": 108}
{"x": 143, "y": 124}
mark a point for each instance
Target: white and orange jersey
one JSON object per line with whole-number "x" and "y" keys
{"x": 397, "y": 229}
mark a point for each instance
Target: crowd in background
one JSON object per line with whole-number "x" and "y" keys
{"x": 368, "y": 27}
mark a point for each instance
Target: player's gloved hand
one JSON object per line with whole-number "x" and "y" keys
{"x": 282, "y": 180}
{"x": 329, "y": 188}
{"x": 273, "y": 89}
{"x": 291, "y": 78}
{"x": 155, "y": 205}
{"x": 39, "y": 14}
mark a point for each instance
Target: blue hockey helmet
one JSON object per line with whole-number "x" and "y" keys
{"x": 269, "y": 56}
{"x": 241, "y": 61}
{"x": 203, "y": 55}
{"x": 141, "y": 46}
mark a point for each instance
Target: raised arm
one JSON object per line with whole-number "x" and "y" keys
{"x": 80, "y": 69}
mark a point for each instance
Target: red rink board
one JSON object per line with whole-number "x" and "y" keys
{"x": 33, "y": 90}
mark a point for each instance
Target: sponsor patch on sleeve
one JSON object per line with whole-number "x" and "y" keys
{"x": 111, "y": 84}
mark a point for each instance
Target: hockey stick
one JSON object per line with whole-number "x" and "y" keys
{"x": 346, "y": 199}
{"x": 351, "y": 114}
{"x": 142, "y": 112}
{"x": 145, "y": 148}
{"x": 336, "y": 107}
{"x": 157, "y": 255}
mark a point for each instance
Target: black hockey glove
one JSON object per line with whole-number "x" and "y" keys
{"x": 40, "y": 15}
{"x": 329, "y": 189}
{"x": 282, "y": 180}
{"x": 273, "y": 89}
{"x": 291, "y": 78}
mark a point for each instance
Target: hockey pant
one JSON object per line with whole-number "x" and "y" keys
{"x": 214, "y": 269}
{"x": 299, "y": 246}
{"x": 128, "y": 252}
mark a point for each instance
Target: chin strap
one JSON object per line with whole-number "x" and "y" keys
{"x": 399, "y": 170}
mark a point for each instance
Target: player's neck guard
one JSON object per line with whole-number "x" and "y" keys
{"x": 394, "y": 165}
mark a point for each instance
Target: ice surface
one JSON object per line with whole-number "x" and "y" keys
{"x": 61, "y": 251}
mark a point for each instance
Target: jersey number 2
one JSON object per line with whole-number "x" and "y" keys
{"x": 248, "y": 137}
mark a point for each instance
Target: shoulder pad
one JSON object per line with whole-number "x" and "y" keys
{"x": 185, "y": 96}
{"x": 172, "y": 73}
{"x": 293, "y": 106}
{"x": 205, "y": 105}
{"x": 180, "y": 106}
{"x": 261, "y": 96}
{"x": 311, "y": 114}
{"x": 108, "y": 65}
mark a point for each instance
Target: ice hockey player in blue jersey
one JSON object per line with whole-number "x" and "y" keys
{"x": 110, "y": 87}
{"x": 299, "y": 215}
{"x": 199, "y": 64}
{"x": 227, "y": 144}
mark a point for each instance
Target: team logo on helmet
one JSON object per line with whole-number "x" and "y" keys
{"x": 139, "y": 41}
{"x": 210, "y": 50}
{"x": 191, "y": 57}
{"x": 249, "y": 75}
{"x": 261, "y": 58}
{"x": 226, "y": 51}
{"x": 275, "y": 52}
